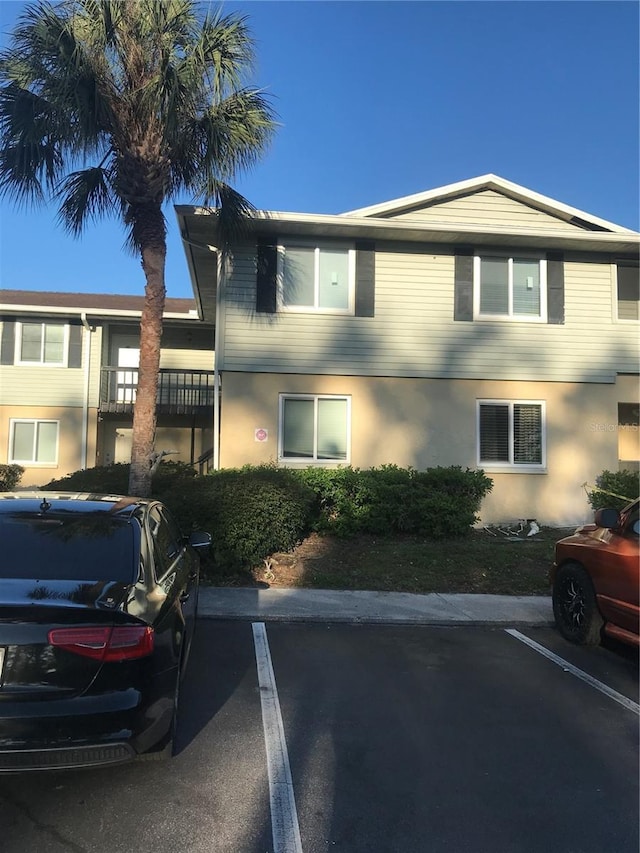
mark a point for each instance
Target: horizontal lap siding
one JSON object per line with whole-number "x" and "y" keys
{"x": 52, "y": 386}
{"x": 413, "y": 333}
{"x": 41, "y": 386}
{"x": 186, "y": 359}
{"x": 487, "y": 208}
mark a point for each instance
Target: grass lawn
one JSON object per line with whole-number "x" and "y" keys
{"x": 478, "y": 563}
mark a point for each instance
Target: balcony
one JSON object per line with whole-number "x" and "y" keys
{"x": 180, "y": 392}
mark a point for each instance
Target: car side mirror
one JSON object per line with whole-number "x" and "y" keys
{"x": 608, "y": 518}
{"x": 200, "y": 539}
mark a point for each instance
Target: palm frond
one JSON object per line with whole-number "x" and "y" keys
{"x": 85, "y": 195}
{"x": 151, "y": 85}
{"x": 233, "y": 213}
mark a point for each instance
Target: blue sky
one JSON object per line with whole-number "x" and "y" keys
{"x": 378, "y": 100}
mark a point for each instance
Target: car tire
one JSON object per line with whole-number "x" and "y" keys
{"x": 575, "y": 607}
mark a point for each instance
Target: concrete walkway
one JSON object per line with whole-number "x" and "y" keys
{"x": 316, "y": 605}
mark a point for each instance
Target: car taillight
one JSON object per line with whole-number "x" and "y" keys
{"x": 106, "y": 644}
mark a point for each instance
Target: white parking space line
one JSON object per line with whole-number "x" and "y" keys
{"x": 284, "y": 816}
{"x": 568, "y": 667}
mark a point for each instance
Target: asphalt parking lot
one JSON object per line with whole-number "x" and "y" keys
{"x": 392, "y": 738}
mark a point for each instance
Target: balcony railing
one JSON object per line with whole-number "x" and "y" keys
{"x": 180, "y": 392}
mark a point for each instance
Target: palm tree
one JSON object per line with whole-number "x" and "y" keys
{"x": 114, "y": 107}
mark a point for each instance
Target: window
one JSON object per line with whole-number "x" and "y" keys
{"x": 510, "y": 288}
{"x": 314, "y": 428}
{"x": 511, "y": 434}
{"x": 312, "y": 278}
{"x": 167, "y": 547}
{"x": 42, "y": 343}
{"x": 34, "y": 442}
{"x": 628, "y": 285}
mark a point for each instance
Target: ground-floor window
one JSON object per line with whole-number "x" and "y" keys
{"x": 314, "y": 428}
{"x": 511, "y": 434}
{"x": 628, "y": 435}
{"x": 33, "y": 442}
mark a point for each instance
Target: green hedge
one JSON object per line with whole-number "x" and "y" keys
{"x": 10, "y": 476}
{"x": 625, "y": 484}
{"x": 254, "y": 512}
{"x": 251, "y": 513}
{"x": 436, "y": 503}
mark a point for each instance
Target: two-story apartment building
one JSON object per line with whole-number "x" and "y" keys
{"x": 480, "y": 324}
{"x": 68, "y": 381}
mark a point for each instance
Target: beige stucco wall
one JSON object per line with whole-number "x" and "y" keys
{"x": 69, "y": 443}
{"x": 430, "y": 422}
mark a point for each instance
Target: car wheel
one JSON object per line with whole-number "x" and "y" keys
{"x": 575, "y": 607}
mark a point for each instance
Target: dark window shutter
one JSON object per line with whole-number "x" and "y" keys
{"x": 266, "y": 275}
{"x": 7, "y": 345}
{"x": 365, "y": 279}
{"x": 555, "y": 287}
{"x": 75, "y": 346}
{"x": 463, "y": 287}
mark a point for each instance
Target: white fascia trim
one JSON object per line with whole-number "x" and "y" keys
{"x": 489, "y": 181}
{"x": 6, "y": 308}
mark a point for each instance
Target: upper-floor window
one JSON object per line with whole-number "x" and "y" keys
{"x": 510, "y": 288}
{"x": 314, "y": 428}
{"x": 316, "y": 278}
{"x": 33, "y": 442}
{"x": 511, "y": 434}
{"x": 42, "y": 343}
{"x": 628, "y": 291}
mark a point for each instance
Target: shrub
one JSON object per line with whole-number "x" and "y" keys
{"x": 435, "y": 503}
{"x": 257, "y": 511}
{"x": 624, "y": 487}
{"x": 250, "y": 513}
{"x": 10, "y": 476}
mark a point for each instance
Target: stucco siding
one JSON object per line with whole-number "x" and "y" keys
{"x": 413, "y": 333}
{"x": 430, "y": 422}
{"x": 70, "y": 446}
{"x": 489, "y": 208}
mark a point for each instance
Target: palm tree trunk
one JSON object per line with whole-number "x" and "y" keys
{"x": 144, "y": 410}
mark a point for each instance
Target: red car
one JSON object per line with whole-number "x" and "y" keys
{"x": 596, "y": 579}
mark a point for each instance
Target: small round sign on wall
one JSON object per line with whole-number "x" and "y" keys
{"x": 261, "y": 434}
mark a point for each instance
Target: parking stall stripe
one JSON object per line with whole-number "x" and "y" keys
{"x": 568, "y": 667}
{"x": 284, "y": 816}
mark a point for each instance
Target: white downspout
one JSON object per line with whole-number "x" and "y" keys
{"x": 85, "y": 397}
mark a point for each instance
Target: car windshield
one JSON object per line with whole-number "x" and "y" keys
{"x": 77, "y": 546}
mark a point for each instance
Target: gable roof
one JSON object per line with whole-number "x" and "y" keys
{"x": 488, "y": 182}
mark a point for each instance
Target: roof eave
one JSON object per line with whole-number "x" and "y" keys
{"x": 363, "y": 227}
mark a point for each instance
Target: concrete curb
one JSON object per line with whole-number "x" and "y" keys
{"x": 296, "y": 605}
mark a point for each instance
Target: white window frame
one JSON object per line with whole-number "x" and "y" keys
{"x": 317, "y": 248}
{"x": 510, "y": 317}
{"x": 42, "y": 363}
{"x": 614, "y": 277}
{"x": 511, "y": 466}
{"x": 33, "y": 463}
{"x": 305, "y": 460}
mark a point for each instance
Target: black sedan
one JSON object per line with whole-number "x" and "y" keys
{"x": 98, "y": 601}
